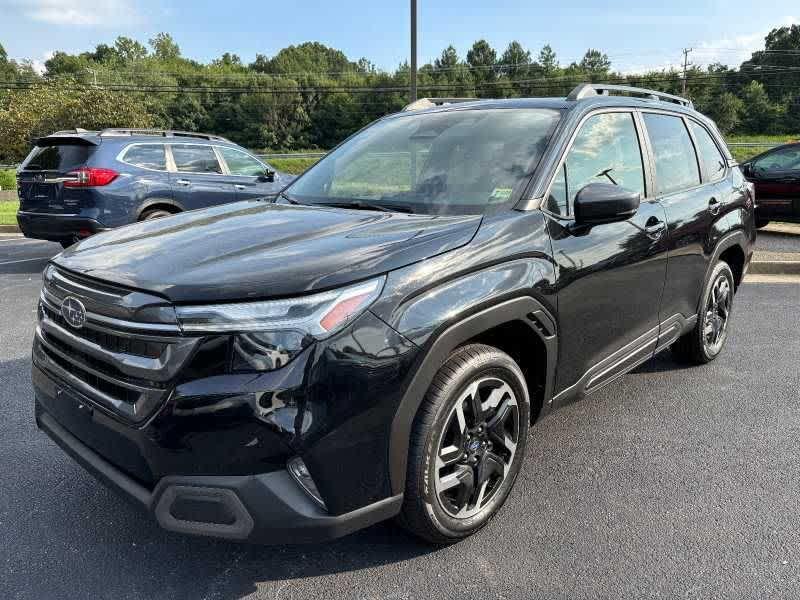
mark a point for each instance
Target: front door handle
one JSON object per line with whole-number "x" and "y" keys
{"x": 239, "y": 186}
{"x": 183, "y": 182}
{"x": 713, "y": 206}
{"x": 654, "y": 227}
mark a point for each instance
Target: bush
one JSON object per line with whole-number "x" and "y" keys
{"x": 8, "y": 179}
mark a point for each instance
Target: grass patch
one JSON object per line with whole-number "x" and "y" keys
{"x": 294, "y": 166}
{"x": 8, "y": 210}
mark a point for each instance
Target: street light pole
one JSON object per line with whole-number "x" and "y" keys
{"x": 413, "y": 73}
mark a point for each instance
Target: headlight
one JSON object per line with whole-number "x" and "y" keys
{"x": 271, "y": 333}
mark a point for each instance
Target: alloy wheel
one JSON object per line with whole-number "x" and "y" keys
{"x": 477, "y": 447}
{"x": 718, "y": 308}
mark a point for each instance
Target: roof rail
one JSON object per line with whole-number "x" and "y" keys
{"x": 74, "y": 130}
{"x": 112, "y": 131}
{"x": 424, "y": 103}
{"x": 587, "y": 90}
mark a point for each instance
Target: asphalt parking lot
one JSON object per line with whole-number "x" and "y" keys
{"x": 673, "y": 483}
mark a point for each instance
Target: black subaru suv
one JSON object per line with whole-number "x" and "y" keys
{"x": 378, "y": 340}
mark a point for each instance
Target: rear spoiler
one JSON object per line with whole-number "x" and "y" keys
{"x": 68, "y": 139}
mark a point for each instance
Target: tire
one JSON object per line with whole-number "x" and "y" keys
{"x": 155, "y": 213}
{"x": 696, "y": 347}
{"x": 444, "y": 504}
{"x": 66, "y": 243}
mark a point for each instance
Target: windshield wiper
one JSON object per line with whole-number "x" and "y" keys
{"x": 288, "y": 198}
{"x": 365, "y": 205}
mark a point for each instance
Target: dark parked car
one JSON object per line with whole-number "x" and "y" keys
{"x": 377, "y": 342}
{"x": 776, "y": 176}
{"x": 77, "y": 183}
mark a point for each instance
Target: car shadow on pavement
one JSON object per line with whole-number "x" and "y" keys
{"x": 662, "y": 362}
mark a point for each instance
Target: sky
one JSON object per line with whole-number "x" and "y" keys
{"x": 636, "y": 35}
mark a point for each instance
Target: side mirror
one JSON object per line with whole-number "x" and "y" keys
{"x": 605, "y": 203}
{"x": 747, "y": 169}
{"x": 268, "y": 176}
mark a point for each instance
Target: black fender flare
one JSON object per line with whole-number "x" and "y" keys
{"x": 150, "y": 202}
{"x": 524, "y": 309}
{"x": 736, "y": 237}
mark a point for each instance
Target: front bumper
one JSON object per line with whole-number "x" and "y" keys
{"x": 267, "y": 508}
{"x": 56, "y": 227}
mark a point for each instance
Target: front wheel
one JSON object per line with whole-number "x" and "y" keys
{"x": 704, "y": 343}
{"x": 157, "y": 213}
{"x": 467, "y": 445}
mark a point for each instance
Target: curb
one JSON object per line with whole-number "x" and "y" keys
{"x": 775, "y": 267}
{"x": 9, "y": 229}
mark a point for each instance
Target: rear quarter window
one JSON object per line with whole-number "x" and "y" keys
{"x": 57, "y": 158}
{"x": 146, "y": 156}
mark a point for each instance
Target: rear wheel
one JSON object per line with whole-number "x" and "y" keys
{"x": 467, "y": 445}
{"x": 155, "y": 213}
{"x": 704, "y": 343}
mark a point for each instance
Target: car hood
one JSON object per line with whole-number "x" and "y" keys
{"x": 255, "y": 249}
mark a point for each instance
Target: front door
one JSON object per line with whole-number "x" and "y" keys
{"x": 777, "y": 179}
{"x": 198, "y": 180}
{"x": 249, "y": 175}
{"x": 610, "y": 276}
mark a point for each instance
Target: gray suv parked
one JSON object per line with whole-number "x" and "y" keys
{"x": 76, "y": 183}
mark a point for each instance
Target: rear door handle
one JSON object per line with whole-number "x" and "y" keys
{"x": 183, "y": 182}
{"x": 239, "y": 186}
{"x": 713, "y": 206}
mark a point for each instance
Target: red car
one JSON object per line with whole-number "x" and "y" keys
{"x": 776, "y": 175}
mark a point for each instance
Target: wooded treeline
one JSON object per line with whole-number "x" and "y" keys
{"x": 312, "y": 96}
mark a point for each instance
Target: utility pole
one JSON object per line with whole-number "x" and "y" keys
{"x": 413, "y": 73}
{"x": 686, "y": 65}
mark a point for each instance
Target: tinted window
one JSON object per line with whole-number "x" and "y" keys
{"x": 57, "y": 158}
{"x": 451, "y": 162}
{"x": 195, "y": 159}
{"x": 785, "y": 159}
{"x": 711, "y": 160}
{"x": 240, "y": 163}
{"x": 676, "y": 162}
{"x": 606, "y": 150}
{"x": 147, "y": 156}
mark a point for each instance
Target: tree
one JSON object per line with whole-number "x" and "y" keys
{"x": 164, "y": 47}
{"x": 515, "y": 59}
{"x": 760, "y": 114}
{"x": 448, "y": 60}
{"x": 726, "y": 112}
{"x": 595, "y": 63}
{"x": 482, "y": 58}
{"x": 548, "y": 61}
{"x": 129, "y": 50}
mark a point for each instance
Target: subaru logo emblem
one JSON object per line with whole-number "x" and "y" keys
{"x": 73, "y": 312}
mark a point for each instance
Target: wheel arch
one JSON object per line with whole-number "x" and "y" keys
{"x": 159, "y": 203}
{"x": 731, "y": 248}
{"x": 526, "y": 317}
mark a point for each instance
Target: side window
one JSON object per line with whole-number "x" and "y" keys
{"x": 146, "y": 156}
{"x": 785, "y": 159}
{"x": 190, "y": 158}
{"x": 676, "y": 161}
{"x": 240, "y": 163}
{"x": 712, "y": 161}
{"x": 606, "y": 150}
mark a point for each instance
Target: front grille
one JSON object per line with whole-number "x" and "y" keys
{"x": 114, "y": 359}
{"x": 111, "y": 342}
{"x": 101, "y": 384}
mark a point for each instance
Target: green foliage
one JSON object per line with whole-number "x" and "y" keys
{"x": 294, "y": 166}
{"x": 8, "y": 179}
{"x": 8, "y": 211}
{"x": 312, "y": 96}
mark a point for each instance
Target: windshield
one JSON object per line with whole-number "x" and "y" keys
{"x": 455, "y": 162}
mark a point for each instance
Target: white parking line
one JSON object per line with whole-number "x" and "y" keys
{"x": 14, "y": 262}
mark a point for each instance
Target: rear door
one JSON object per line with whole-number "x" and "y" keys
{"x": 777, "y": 179}
{"x": 42, "y": 175}
{"x": 248, "y": 174}
{"x": 692, "y": 203}
{"x": 197, "y": 177}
